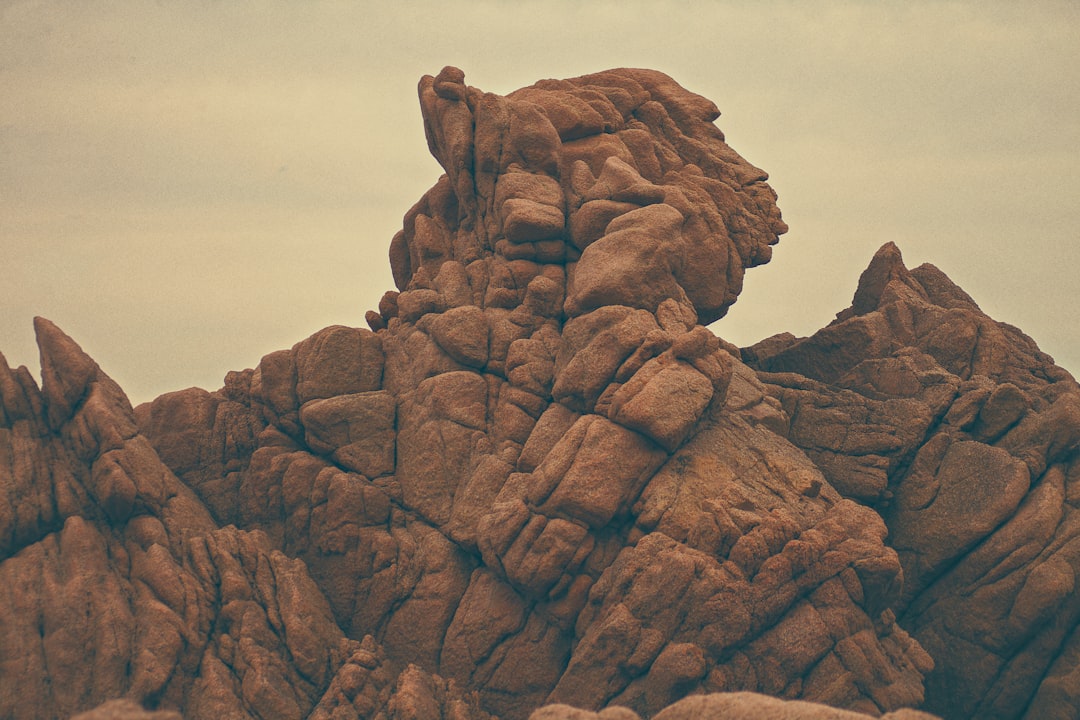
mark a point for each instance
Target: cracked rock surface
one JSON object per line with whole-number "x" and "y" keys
{"x": 536, "y": 485}
{"x": 963, "y": 436}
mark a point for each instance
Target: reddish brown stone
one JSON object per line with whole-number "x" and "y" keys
{"x": 540, "y": 480}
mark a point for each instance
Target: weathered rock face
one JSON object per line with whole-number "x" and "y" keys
{"x": 116, "y": 581}
{"x": 539, "y": 479}
{"x": 964, "y": 436}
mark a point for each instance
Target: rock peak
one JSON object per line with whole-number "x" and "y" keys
{"x": 66, "y": 371}
{"x": 619, "y": 176}
{"x": 886, "y": 271}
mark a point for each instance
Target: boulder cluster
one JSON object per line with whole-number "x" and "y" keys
{"x": 538, "y": 486}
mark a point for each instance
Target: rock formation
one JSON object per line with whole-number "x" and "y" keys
{"x": 964, "y": 437}
{"x": 540, "y": 480}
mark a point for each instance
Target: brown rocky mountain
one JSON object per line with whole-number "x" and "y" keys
{"x": 538, "y": 481}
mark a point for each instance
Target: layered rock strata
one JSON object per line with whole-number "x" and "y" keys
{"x": 539, "y": 479}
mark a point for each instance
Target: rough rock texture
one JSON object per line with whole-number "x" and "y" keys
{"x": 964, "y": 437}
{"x": 538, "y": 479}
{"x": 116, "y": 581}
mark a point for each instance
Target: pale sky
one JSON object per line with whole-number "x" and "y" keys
{"x": 187, "y": 186}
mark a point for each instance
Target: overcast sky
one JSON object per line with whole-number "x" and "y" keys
{"x": 187, "y": 186}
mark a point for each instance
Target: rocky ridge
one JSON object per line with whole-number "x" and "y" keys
{"x": 538, "y": 479}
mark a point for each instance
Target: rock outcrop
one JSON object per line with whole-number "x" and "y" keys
{"x": 964, "y": 437}
{"x": 539, "y": 480}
